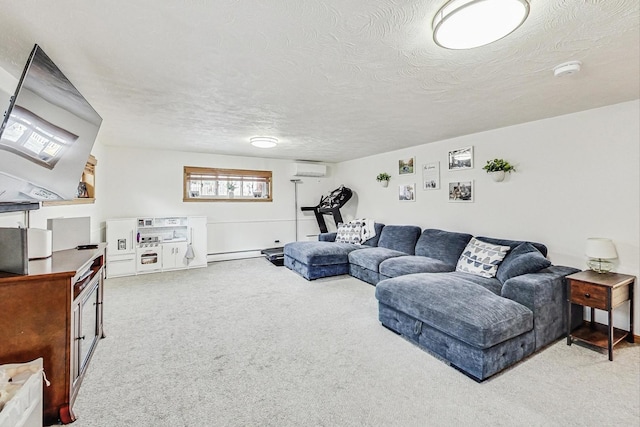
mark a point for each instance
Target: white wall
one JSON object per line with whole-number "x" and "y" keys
{"x": 577, "y": 177}
{"x": 143, "y": 183}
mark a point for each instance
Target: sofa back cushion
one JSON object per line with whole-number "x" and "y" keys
{"x": 514, "y": 243}
{"x": 445, "y": 246}
{"x": 374, "y": 240}
{"x": 401, "y": 238}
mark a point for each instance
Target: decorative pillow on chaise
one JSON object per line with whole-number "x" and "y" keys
{"x": 481, "y": 258}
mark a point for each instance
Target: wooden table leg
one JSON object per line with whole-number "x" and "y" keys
{"x": 630, "y": 337}
{"x": 610, "y": 343}
{"x": 568, "y": 314}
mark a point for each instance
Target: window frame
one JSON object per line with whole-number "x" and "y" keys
{"x": 242, "y": 174}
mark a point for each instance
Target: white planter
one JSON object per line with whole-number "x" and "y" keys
{"x": 231, "y": 195}
{"x": 497, "y": 176}
{"x": 384, "y": 183}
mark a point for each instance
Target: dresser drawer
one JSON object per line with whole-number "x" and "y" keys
{"x": 588, "y": 294}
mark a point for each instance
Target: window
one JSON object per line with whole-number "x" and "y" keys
{"x": 223, "y": 185}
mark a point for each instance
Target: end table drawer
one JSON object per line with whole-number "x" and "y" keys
{"x": 588, "y": 294}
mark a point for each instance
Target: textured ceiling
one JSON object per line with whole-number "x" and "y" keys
{"x": 332, "y": 79}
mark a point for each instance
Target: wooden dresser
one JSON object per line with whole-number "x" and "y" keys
{"x": 55, "y": 312}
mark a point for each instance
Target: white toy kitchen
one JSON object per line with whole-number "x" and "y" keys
{"x": 155, "y": 244}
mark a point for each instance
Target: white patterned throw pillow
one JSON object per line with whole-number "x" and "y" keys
{"x": 349, "y": 233}
{"x": 356, "y": 231}
{"x": 368, "y": 229}
{"x": 481, "y": 258}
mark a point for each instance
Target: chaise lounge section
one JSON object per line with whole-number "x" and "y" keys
{"x": 324, "y": 258}
{"x": 478, "y": 326}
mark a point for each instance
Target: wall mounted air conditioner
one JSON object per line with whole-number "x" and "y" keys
{"x": 309, "y": 169}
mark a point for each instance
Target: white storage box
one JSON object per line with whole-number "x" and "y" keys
{"x": 24, "y": 409}
{"x": 38, "y": 243}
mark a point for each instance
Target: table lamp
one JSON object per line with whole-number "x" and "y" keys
{"x": 600, "y": 251}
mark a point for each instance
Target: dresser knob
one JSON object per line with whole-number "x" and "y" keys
{"x": 587, "y": 295}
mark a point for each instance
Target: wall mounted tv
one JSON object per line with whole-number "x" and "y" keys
{"x": 46, "y": 136}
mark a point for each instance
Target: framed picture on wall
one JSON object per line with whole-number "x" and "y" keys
{"x": 431, "y": 176}
{"x": 461, "y": 191}
{"x": 406, "y": 166}
{"x": 461, "y": 158}
{"x": 407, "y": 193}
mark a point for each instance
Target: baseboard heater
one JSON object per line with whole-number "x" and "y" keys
{"x": 273, "y": 255}
{"x": 230, "y": 256}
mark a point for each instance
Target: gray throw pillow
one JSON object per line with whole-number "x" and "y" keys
{"x": 524, "y": 259}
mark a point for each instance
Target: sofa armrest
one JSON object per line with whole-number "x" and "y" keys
{"x": 545, "y": 294}
{"x": 327, "y": 237}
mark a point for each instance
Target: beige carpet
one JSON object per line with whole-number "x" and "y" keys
{"x": 245, "y": 343}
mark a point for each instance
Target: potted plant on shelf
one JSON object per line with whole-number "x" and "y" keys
{"x": 383, "y": 178}
{"x": 231, "y": 187}
{"x": 497, "y": 168}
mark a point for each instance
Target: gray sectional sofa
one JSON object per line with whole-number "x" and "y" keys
{"x": 480, "y": 325}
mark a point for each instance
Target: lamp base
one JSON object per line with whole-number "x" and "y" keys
{"x": 599, "y": 265}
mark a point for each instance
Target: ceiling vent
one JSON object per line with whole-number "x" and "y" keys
{"x": 309, "y": 169}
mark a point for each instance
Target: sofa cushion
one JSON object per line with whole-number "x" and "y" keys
{"x": 401, "y": 238}
{"x": 524, "y": 259}
{"x": 490, "y": 283}
{"x": 319, "y": 253}
{"x": 456, "y": 307}
{"x": 445, "y": 246}
{"x": 410, "y": 264}
{"x": 481, "y": 258}
{"x": 327, "y": 237}
{"x": 374, "y": 240}
{"x": 513, "y": 243}
{"x": 372, "y": 257}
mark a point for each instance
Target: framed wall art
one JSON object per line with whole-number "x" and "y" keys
{"x": 406, "y": 166}
{"x": 407, "y": 193}
{"x": 461, "y": 158}
{"x": 431, "y": 176}
{"x": 461, "y": 191}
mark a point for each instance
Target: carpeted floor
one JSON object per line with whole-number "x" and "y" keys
{"x": 245, "y": 343}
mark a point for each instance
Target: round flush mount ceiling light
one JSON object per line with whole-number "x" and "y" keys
{"x": 264, "y": 141}
{"x": 465, "y": 24}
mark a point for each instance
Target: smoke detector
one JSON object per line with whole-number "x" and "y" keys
{"x": 567, "y": 68}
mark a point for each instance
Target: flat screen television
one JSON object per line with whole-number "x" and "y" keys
{"x": 46, "y": 135}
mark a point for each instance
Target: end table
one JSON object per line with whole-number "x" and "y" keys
{"x": 603, "y": 291}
